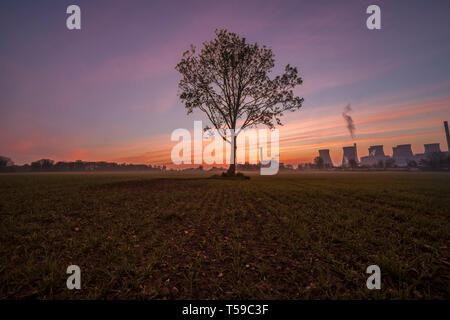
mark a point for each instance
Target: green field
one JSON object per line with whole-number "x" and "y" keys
{"x": 291, "y": 236}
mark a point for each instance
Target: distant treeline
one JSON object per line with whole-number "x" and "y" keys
{"x": 48, "y": 165}
{"x": 434, "y": 161}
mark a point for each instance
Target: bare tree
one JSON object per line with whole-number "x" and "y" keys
{"x": 5, "y": 162}
{"x": 229, "y": 81}
{"x": 318, "y": 161}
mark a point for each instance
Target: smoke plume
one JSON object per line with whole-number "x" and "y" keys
{"x": 349, "y": 120}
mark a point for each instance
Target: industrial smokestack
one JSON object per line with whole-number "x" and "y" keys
{"x": 260, "y": 155}
{"x": 447, "y": 134}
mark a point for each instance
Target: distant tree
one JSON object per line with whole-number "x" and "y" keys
{"x": 318, "y": 161}
{"x": 42, "y": 165}
{"x": 36, "y": 166}
{"x": 229, "y": 81}
{"x": 412, "y": 164}
{"x": 435, "y": 160}
{"x": 5, "y": 162}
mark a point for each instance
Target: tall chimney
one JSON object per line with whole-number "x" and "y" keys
{"x": 447, "y": 134}
{"x": 260, "y": 155}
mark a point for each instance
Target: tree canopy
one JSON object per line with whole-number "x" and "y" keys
{"x": 229, "y": 81}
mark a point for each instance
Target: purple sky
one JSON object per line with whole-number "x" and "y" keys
{"x": 108, "y": 91}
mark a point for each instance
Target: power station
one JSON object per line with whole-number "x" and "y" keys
{"x": 402, "y": 154}
{"x": 376, "y": 154}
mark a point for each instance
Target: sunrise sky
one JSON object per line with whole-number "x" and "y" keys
{"x": 108, "y": 91}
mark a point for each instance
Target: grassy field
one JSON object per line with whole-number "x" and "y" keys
{"x": 297, "y": 236}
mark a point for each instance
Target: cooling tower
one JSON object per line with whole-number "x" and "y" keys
{"x": 402, "y": 154}
{"x": 432, "y": 147}
{"x": 349, "y": 154}
{"x": 376, "y": 151}
{"x": 325, "y": 155}
{"x": 447, "y": 135}
{"x": 376, "y": 155}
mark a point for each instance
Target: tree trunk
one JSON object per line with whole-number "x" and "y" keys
{"x": 232, "y": 168}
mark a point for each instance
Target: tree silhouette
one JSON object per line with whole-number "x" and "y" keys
{"x": 42, "y": 165}
{"x": 5, "y": 161}
{"x": 318, "y": 161}
{"x": 229, "y": 81}
{"x": 435, "y": 160}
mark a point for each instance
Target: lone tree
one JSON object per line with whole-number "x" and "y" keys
{"x": 318, "y": 161}
{"x": 229, "y": 81}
